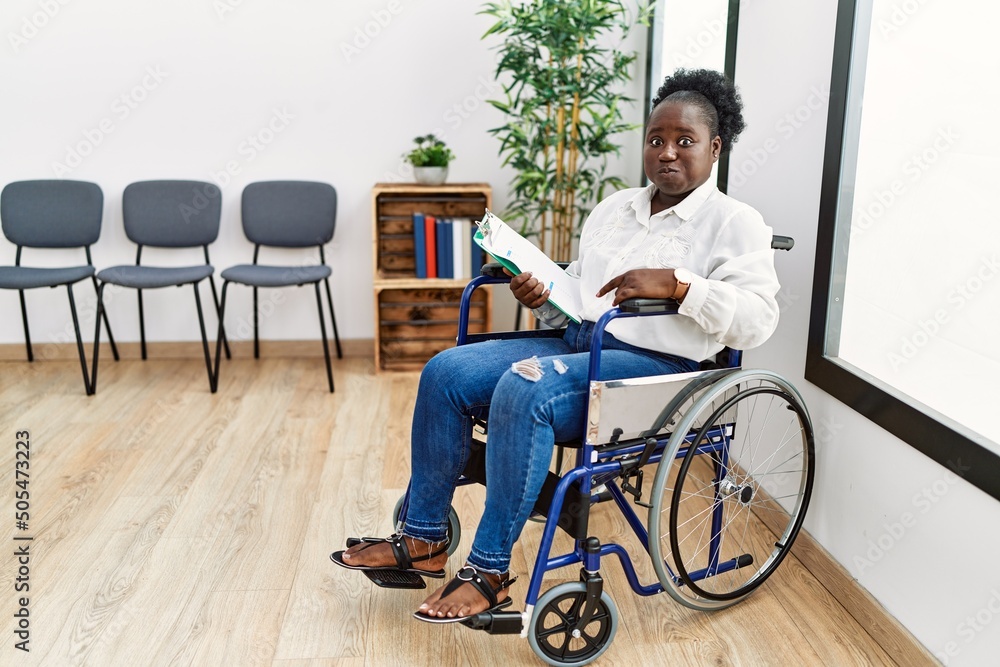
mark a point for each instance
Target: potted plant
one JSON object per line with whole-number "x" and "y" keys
{"x": 562, "y": 103}
{"x": 430, "y": 160}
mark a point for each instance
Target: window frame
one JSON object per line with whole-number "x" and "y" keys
{"x": 960, "y": 450}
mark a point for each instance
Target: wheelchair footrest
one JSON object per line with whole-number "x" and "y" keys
{"x": 496, "y": 622}
{"x": 395, "y": 579}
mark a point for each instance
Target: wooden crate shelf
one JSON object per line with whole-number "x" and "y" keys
{"x": 415, "y": 318}
{"x": 416, "y": 324}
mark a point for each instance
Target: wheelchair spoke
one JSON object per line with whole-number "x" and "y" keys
{"x": 790, "y": 495}
{"x": 721, "y": 534}
{"x": 779, "y": 472}
{"x": 753, "y": 473}
{"x": 714, "y": 520}
{"x": 763, "y": 506}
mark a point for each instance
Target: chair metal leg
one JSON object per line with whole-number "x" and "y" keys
{"x": 97, "y": 338}
{"x": 24, "y": 319}
{"x": 142, "y": 327}
{"x": 215, "y": 298}
{"x": 322, "y": 331}
{"x": 107, "y": 325}
{"x": 221, "y": 333}
{"x": 79, "y": 340}
{"x": 204, "y": 340}
{"x": 256, "y": 340}
{"x": 333, "y": 319}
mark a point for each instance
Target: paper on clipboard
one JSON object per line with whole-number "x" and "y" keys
{"x": 517, "y": 254}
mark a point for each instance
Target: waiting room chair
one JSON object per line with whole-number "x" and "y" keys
{"x": 52, "y": 214}
{"x": 167, "y": 214}
{"x": 286, "y": 214}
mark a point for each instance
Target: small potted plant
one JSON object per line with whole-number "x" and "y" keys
{"x": 430, "y": 160}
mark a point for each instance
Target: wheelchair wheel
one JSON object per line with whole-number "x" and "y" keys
{"x": 725, "y": 514}
{"x": 553, "y": 634}
{"x": 454, "y": 525}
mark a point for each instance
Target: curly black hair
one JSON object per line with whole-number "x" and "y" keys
{"x": 714, "y": 95}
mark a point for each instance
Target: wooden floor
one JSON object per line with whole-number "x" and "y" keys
{"x": 173, "y": 527}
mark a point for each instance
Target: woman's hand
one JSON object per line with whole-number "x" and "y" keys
{"x": 528, "y": 290}
{"x": 642, "y": 284}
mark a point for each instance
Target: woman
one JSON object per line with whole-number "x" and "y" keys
{"x": 677, "y": 238}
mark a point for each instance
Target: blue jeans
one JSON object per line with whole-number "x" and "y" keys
{"x": 528, "y": 418}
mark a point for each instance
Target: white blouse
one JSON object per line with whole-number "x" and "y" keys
{"x": 722, "y": 242}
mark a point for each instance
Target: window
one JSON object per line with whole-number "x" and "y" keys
{"x": 693, "y": 35}
{"x": 906, "y": 300}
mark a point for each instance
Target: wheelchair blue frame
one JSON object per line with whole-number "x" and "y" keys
{"x": 591, "y": 463}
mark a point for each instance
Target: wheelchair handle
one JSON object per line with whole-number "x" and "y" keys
{"x": 493, "y": 270}
{"x": 782, "y": 242}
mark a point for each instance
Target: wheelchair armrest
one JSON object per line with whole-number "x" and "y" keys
{"x": 495, "y": 269}
{"x": 664, "y": 306}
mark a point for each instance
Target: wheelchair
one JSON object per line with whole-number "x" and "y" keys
{"x": 733, "y": 451}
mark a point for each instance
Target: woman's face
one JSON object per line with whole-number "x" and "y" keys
{"x": 679, "y": 153}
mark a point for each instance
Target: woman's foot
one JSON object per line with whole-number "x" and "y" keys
{"x": 380, "y": 554}
{"x": 465, "y": 599}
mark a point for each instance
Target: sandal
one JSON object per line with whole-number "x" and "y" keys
{"x": 404, "y": 562}
{"x": 469, "y": 575}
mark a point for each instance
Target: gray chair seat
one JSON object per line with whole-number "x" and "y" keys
{"x": 150, "y": 277}
{"x": 167, "y": 214}
{"x": 53, "y": 214}
{"x": 286, "y": 214}
{"x": 25, "y": 277}
{"x": 257, "y": 275}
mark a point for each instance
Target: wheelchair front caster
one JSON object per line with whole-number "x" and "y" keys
{"x": 454, "y": 525}
{"x": 553, "y": 633}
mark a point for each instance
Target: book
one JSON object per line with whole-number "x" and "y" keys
{"x": 518, "y": 254}
{"x": 476, "y": 256}
{"x": 457, "y": 248}
{"x": 444, "y": 268}
{"x": 430, "y": 245}
{"x": 466, "y": 245}
{"x": 419, "y": 245}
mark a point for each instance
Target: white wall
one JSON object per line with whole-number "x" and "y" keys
{"x": 336, "y": 105}
{"x": 912, "y": 532}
